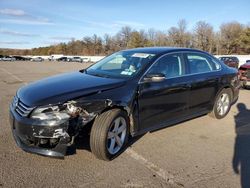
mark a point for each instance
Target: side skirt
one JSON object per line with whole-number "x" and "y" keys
{"x": 170, "y": 123}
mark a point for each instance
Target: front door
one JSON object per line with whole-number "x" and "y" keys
{"x": 164, "y": 101}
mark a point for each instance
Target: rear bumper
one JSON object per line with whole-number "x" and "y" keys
{"x": 28, "y": 135}
{"x": 236, "y": 90}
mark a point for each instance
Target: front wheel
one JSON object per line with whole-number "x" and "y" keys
{"x": 222, "y": 104}
{"x": 109, "y": 134}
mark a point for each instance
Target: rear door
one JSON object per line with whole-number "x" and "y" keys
{"x": 203, "y": 74}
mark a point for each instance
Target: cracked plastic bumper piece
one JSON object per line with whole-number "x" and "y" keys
{"x": 59, "y": 151}
{"x": 44, "y": 140}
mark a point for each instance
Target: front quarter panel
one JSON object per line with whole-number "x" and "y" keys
{"x": 123, "y": 97}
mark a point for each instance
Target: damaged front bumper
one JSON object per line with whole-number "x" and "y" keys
{"x": 34, "y": 132}
{"x": 35, "y": 137}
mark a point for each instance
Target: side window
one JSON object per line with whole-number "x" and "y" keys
{"x": 199, "y": 63}
{"x": 170, "y": 65}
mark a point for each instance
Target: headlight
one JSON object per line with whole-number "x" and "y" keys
{"x": 51, "y": 115}
{"x": 58, "y": 114}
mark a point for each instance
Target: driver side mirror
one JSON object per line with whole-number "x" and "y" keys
{"x": 154, "y": 77}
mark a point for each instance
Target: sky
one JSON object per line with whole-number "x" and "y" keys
{"x": 27, "y": 24}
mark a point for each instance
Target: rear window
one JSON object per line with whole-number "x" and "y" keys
{"x": 199, "y": 63}
{"x": 235, "y": 59}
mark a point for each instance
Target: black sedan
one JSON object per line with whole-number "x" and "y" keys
{"x": 62, "y": 59}
{"x": 125, "y": 94}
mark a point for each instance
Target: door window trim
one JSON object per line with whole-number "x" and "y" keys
{"x": 204, "y": 54}
{"x": 186, "y": 65}
{"x": 162, "y": 56}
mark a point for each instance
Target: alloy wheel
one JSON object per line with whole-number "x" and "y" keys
{"x": 116, "y": 135}
{"x": 223, "y": 104}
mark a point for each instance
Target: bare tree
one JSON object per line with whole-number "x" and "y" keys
{"x": 87, "y": 42}
{"x": 151, "y": 35}
{"x": 124, "y": 36}
{"x": 162, "y": 39}
{"x": 245, "y": 40}
{"x": 230, "y": 33}
{"x": 96, "y": 44}
{"x": 203, "y": 36}
{"x": 107, "y": 42}
{"x": 179, "y": 36}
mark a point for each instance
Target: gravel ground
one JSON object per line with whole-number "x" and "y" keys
{"x": 195, "y": 153}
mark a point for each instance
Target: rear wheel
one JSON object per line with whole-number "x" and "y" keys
{"x": 222, "y": 104}
{"x": 109, "y": 134}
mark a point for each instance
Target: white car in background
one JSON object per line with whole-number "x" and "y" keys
{"x": 75, "y": 59}
{"x": 8, "y": 58}
{"x": 37, "y": 59}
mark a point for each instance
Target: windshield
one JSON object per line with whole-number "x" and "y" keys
{"x": 124, "y": 64}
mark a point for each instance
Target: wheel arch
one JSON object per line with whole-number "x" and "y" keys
{"x": 218, "y": 92}
{"x": 133, "y": 124}
{"x": 214, "y": 113}
{"x": 229, "y": 87}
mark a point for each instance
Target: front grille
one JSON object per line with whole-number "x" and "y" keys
{"x": 21, "y": 108}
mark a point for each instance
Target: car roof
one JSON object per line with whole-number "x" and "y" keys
{"x": 161, "y": 50}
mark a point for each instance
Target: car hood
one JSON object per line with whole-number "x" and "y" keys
{"x": 64, "y": 87}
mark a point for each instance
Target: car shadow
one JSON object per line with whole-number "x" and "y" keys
{"x": 241, "y": 158}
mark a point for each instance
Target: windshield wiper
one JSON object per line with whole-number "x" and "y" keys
{"x": 99, "y": 75}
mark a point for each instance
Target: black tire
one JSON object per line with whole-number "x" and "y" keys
{"x": 215, "y": 113}
{"x": 99, "y": 134}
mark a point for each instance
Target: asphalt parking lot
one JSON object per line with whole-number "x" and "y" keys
{"x": 202, "y": 152}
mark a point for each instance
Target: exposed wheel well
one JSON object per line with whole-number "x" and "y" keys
{"x": 114, "y": 107}
{"x": 130, "y": 117}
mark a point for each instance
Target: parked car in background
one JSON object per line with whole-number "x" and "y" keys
{"x": 85, "y": 59}
{"x": 126, "y": 94}
{"x": 75, "y": 59}
{"x": 230, "y": 61}
{"x": 37, "y": 59}
{"x": 244, "y": 74}
{"x": 20, "y": 58}
{"x": 28, "y": 58}
{"x": 62, "y": 59}
{"x": 8, "y": 58}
